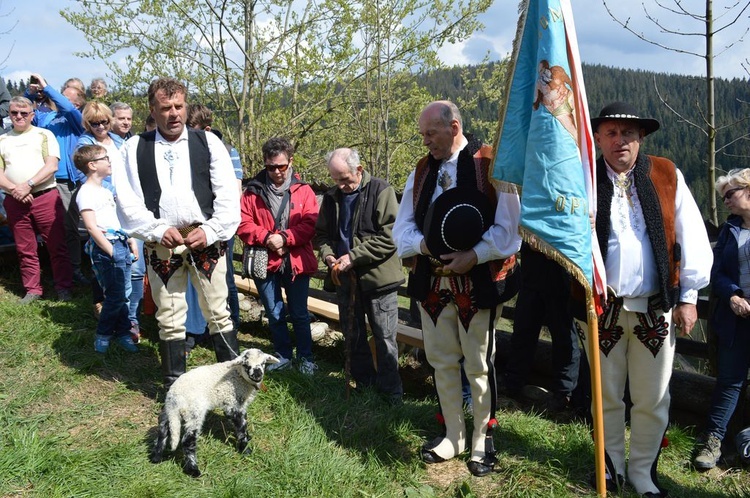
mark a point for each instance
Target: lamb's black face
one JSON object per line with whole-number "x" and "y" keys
{"x": 254, "y": 373}
{"x": 252, "y": 363}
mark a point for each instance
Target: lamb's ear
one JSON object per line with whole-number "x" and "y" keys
{"x": 271, "y": 359}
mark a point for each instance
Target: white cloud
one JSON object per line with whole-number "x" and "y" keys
{"x": 45, "y": 42}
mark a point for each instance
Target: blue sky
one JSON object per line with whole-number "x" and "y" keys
{"x": 44, "y": 42}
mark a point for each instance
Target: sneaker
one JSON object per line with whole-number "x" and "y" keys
{"x": 126, "y": 342}
{"x": 64, "y": 295}
{"x": 101, "y": 343}
{"x": 135, "y": 332}
{"x": 708, "y": 452}
{"x": 283, "y": 364}
{"x": 307, "y": 367}
{"x": 30, "y": 298}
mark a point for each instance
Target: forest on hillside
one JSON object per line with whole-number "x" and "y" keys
{"x": 678, "y": 140}
{"x": 683, "y": 143}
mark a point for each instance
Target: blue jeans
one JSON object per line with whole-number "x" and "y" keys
{"x": 113, "y": 275}
{"x": 195, "y": 322}
{"x": 137, "y": 272}
{"x": 296, "y": 288}
{"x": 733, "y": 362}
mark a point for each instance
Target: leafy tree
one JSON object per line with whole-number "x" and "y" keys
{"x": 711, "y": 25}
{"x": 314, "y": 71}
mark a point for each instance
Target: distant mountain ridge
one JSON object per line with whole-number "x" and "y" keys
{"x": 684, "y": 144}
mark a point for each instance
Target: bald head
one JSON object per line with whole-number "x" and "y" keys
{"x": 441, "y": 128}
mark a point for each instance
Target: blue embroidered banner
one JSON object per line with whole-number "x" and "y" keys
{"x": 545, "y": 144}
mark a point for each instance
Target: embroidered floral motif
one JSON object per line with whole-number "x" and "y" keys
{"x": 459, "y": 293}
{"x": 609, "y": 332}
{"x": 652, "y": 331}
{"x": 164, "y": 268}
{"x": 461, "y": 287}
{"x": 436, "y": 301}
{"x": 205, "y": 260}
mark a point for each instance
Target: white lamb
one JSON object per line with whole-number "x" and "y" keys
{"x": 230, "y": 385}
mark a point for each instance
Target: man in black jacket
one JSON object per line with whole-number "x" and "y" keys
{"x": 353, "y": 234}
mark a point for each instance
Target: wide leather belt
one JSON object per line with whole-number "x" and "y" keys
{"x": 42, "y": 192}
{"x": 185, "y": 231}
{"x": 437, "y": 268}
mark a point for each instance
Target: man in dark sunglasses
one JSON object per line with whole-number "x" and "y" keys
{"x": 28, "y": 161}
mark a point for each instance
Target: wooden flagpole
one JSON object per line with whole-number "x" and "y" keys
{"x": 596, "y": 394}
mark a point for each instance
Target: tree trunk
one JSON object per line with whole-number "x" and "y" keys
{"x": 711, "y": 125}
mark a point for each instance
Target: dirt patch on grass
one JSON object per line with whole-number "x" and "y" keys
{"x": 444, "y": 475}
{"x": 91, "y": 412}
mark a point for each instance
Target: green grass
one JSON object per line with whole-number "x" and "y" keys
{"x": 77, "y": 424}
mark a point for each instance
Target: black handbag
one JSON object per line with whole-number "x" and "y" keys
{"x": 254, "y": 262}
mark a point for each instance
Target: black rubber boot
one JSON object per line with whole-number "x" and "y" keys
{"x": 173, "y": 361}
{"x": 226, "y": 345}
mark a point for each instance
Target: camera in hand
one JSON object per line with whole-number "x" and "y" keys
{"x": 33, "y": 80}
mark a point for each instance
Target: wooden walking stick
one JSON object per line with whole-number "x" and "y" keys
{"x": 348, "y": 322}
{"x": 348, "y": 336}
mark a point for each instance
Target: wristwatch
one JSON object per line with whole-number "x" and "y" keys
{"x": 30, "y": 183}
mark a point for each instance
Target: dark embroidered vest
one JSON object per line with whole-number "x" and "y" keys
{"x": 473, "y": 168}
{"x": 200, "y": 162}
{"x": 655, "y": 180}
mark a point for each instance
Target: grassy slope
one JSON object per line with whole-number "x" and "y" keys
{"x": 74, "y": 423}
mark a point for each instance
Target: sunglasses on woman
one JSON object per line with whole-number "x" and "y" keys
{"x": 730, "y": 193}
{"x": 274, "y": 167}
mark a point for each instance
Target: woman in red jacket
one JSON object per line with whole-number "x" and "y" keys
{"x": 279, "y": 212}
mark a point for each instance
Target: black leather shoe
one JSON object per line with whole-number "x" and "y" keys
{"x": 430, "y": 457}
{"x": 482, "y": 467}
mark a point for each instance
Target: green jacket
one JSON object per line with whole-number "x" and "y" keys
{"x": 373, "y": 252}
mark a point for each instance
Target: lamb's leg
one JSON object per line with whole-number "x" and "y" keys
{"x": 239, "y": 419}
{"x": 161, "y": 438}
{"x": 189, "y": 445}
